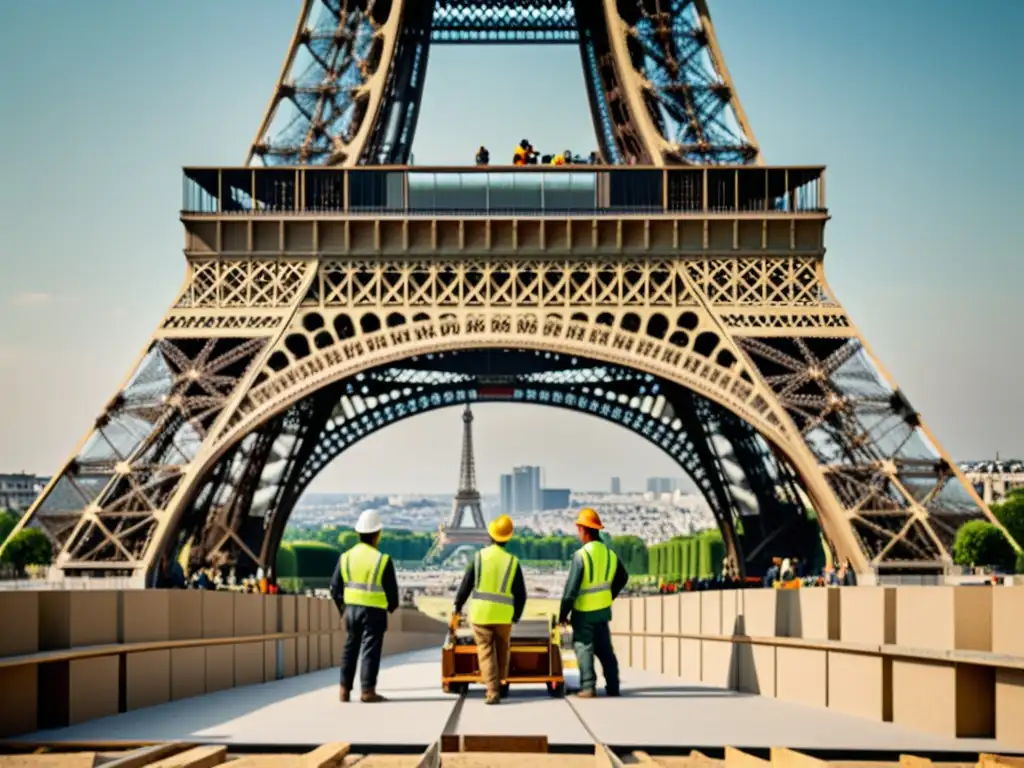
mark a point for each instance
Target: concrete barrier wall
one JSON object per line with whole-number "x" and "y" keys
{"x": 68, "y": 657}
{"x": 947, "y": 660}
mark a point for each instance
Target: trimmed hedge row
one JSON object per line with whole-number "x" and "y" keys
{"x": 688, "y": 557}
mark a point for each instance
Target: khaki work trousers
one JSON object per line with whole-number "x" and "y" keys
{"x": 494, "y": 652}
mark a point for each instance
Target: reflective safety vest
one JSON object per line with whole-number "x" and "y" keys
{"x": 492, "y": 592}
{"x": 599, "y": 566}
{"x": 362, "y": 569}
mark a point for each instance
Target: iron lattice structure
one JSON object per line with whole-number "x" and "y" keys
{"x": 465, "y": 524}
{"x": 686, "y": 303}
{"x": 350, "y": 90}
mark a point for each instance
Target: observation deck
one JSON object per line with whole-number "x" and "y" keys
{"x": 572, "y": 209}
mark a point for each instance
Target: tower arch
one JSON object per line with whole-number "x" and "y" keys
{"x": 710, "y": 444}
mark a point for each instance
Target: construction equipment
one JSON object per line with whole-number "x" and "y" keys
{"x": 536, "y": 657}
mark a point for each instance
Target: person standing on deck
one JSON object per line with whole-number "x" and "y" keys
{"x": 365, "y": 589}
{"x": 495, "y": 582}
{"x": 596, "y": 577}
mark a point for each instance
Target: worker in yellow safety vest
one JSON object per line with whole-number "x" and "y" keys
{"x": 365, "y": 589}
{"x": 495, "y": 583}
{"x": 596, "y": 576}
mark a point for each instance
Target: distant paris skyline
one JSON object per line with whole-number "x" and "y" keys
{"x": 505, "y": 435}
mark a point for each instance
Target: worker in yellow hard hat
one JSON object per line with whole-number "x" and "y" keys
{"x": 495, "y": 582}
{"x": 596, "y": 577}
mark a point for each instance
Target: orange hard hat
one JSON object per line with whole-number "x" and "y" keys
{"x": 588, "y": 518}
{"x": 500, "y": 528}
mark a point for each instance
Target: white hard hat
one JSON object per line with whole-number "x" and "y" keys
{"x": 369, "y": 522}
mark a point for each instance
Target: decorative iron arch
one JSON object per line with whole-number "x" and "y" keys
{"x": 682, "y": 424}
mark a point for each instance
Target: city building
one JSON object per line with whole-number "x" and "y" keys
{"x": 555, "y": 498}
{"x": 505, "y": 491}
{"x": 659, "y": 485}
{"x": 995, "y": 478}
{"x": 526, "y": 496}
{"x": 616, "y": 486}
{"x": 18, "y": 491}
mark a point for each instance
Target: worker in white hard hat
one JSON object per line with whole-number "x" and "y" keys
{"x": 365, "y": 589}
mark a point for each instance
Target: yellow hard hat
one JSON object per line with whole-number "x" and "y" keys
{"x": 500, "y": 528}
{"x": 588, "y": 518}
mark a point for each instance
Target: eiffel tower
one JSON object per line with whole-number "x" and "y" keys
{"x": 677, "y": 290}
{"x": 465, "y": 525}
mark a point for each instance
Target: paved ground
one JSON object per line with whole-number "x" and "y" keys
{"x": 654, "y": 711}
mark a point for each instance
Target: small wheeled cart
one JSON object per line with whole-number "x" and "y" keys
{"x": 536, "y": 658}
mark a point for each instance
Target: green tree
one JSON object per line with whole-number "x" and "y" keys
{"x": 979, "y": 543}
{"x": 29, "y": 546}
{"x": 7, "y": 522}
{"x": 1010, "y": 512}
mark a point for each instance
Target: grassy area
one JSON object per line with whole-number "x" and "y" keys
{"x": 440, "y": 607}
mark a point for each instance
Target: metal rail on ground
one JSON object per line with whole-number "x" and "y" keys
{"x": 451, "y": 741}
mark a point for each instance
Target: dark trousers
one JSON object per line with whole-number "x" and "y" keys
{"x": 364, "y": 641}
{"x": 590, "y": 639}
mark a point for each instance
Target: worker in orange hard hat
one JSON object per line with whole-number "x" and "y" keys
{"x": 596, "y": 577}
{"x": 495, "y": 582}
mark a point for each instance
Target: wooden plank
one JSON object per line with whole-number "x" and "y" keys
{"x": 781, "y": 757}
{"x": 735, "y": 758}
{"x": 913, "y": 761}
{"x": 700, "y": 760}
{"x": 265, "y": 761}
{"x": 114, "y": 649}
{"x": 197, "y": 757}
{"x": 146, "y": 755}
{"x": 986, "y": 760}
{"x": 42, "y": 760}
{"x": 326, "y": 756}
{"x": 503, "y": 743}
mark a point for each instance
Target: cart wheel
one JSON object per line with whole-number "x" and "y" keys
{"x": 456, "y": 688}
{"x": 504, "y": 690}
{"x": 557, "y": 690}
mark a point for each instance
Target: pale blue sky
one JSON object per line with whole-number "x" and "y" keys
{"x": 911, "y": 104}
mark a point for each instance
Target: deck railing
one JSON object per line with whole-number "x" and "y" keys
{"x": 503, "y": 191}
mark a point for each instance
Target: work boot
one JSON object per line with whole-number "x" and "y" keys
{"x": 586, "y": 693}
{"x": 344, "y": 695}
{"x": 371, "y": 697}
{"x": 612, "y": 692}
{"x": 493, "y": 698}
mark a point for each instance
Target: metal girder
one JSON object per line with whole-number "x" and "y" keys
{"x": 503, "y": 21}
{"x": 350, "y": 89}
{"x": 882, "y": 466}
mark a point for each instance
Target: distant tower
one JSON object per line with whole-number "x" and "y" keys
{"x": 616, "y": 486}
{"x": 465, "y": 524}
